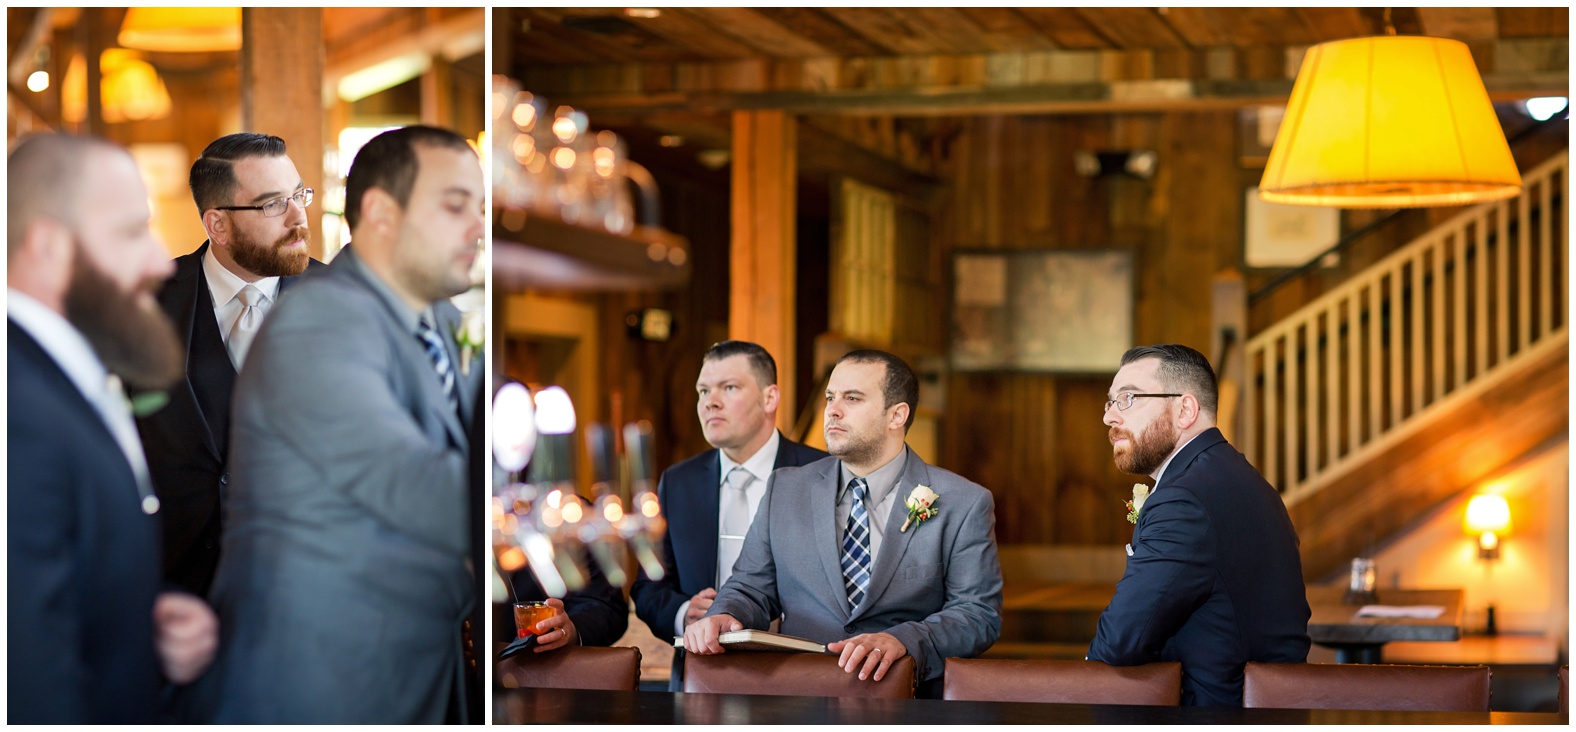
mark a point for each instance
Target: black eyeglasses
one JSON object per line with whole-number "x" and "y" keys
{"x": 1125, "y": 400}
{"x": 277, "y": 206}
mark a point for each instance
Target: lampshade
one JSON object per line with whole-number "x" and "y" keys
{"x": 1486, "y": 513}
{"x": 181, "y": 29}
{"x": 1389, "y": 122}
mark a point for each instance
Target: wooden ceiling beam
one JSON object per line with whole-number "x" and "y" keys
{"x": 1041, "y": 82}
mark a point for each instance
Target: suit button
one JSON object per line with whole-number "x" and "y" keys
{"x": 848, "y": 629}
{"x": 224, "y": 479}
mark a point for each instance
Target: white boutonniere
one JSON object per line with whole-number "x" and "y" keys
{"x": 921, "y": 506}
{"x": 470, "y": 335}
{"x": 1140, "y": 494}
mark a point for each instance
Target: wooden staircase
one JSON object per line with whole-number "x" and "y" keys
{"x": 1423, "y": 376}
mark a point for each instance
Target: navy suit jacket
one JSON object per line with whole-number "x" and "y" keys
{"x": 187, "y": 442}
{"x": 1214, "y": 580}
{"x": 82, "y": 559}
{"x": 688, "y": 494}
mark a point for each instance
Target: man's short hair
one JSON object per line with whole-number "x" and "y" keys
{"x": 901, "y": 383}
{"x": 761, "y": 362}
{"x": 46, "y": 172}
{"x": 388, "y": 162}
{"x": 212, "y": 179}
{"x": 1182, "y": 370}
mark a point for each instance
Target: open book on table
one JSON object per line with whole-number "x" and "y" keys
{"x": 761, "y": 640}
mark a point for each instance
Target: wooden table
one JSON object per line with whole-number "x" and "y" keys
{"x": 562, "y": 706}
{"x": 1335, "y": 624}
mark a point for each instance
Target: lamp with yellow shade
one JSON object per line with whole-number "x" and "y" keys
{"x": 181, "y": 29}
{"x": 1389, "y": 122}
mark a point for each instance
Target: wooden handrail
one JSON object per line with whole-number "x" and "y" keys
{"x": 1336, "y": 379}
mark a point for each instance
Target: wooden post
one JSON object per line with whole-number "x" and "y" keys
{"x": 1229, "y": 313}
{"x": 762, "y": 275}
{"x": 282, "y": 90}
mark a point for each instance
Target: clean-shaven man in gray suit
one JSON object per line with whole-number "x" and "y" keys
{"x": 833, "y": 551}
{"x": 344, "y": 580}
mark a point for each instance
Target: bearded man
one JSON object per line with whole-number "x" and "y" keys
{"x": 1213, "y": 576}
{"x": 253, "y": 207}
{"x": 90, "y": 637}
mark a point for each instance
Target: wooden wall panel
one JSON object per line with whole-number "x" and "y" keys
{"x": 1036, "y": 440}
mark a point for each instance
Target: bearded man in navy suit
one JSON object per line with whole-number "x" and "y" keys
{"x": 92, "y": 635}
{"x": 253, "y": 207}
{"x": 711, "y": 499}
{"x": 1213, "y": 578}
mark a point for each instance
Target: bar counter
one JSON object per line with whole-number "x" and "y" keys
{"x": 564, "y": 706}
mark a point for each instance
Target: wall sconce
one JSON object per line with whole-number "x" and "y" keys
{"x": 1488, "y": 518}
{"x": 1097, "y": 164}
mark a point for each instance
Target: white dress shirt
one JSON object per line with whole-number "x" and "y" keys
{"x": 224, "y": 286}
{"x": 759, "y": 466}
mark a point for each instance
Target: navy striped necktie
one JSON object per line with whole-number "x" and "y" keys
{"x": 856, "y": 544}
{"x": 440, "y": 362}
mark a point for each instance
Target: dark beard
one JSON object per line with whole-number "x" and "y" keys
{"x": 135, "y": 341}
{"x": 272, "y": 261}
{"x": 1146, "y": 452}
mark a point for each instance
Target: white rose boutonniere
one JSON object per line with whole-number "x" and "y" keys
{"x": 921, "y": 506}
{"x": 470, "y": 335}
{"x": 1140, "y": 494}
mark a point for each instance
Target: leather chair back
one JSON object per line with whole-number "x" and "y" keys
{"x": 1062, "y": 682}
{"x": 791, "y": 674}
{"x": 573, "y": 667}
{"x": 1565, "y": 690}
{"x": 1382, "y": 687}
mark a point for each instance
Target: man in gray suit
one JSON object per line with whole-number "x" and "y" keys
{"x": 344, "y": 579}
{"x": 835, "y": 550}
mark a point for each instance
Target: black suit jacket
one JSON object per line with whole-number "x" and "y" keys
{"x": 187, "y": 442}
{"x": 82, "y": 558}
{"x": 690, "y": 502}
{"x": 1214, "y": 580}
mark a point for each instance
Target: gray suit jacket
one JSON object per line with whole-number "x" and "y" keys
{"x": 343, "y": 581}
{"x": 935, "y": 587}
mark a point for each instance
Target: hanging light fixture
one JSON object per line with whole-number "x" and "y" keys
{"x": 181, "y": 29}
{"x": 1389, "y": 122}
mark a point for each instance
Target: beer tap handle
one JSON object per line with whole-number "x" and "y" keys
{"x": 604, "y": 459}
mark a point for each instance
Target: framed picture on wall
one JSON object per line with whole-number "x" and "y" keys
{"x": 1060, "y": 311}
{"x": 1282, "y": 235}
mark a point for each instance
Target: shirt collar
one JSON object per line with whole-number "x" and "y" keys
{"x": 224, "y": 284}
{"x": 1162, "y": 471}
{"x": 758, "y": 465}
{"x": 407, "y": 317}
{"x": 61, "y": 340}
{"x": 880, "y": 481}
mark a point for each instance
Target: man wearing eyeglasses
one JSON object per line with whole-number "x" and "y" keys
{"x": 253, "y": 207}
{"x": 1213, "y": 576}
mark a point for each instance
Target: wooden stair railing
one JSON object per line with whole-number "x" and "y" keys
{"x": 1361, "y": 366}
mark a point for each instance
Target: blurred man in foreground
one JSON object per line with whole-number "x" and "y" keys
{"x": 90, "y": 637}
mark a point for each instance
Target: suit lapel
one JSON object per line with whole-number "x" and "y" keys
{"x": 428, "y": 391}
{"x": 828, "y": 537}
{"x": 210, "y": 377}
{"x": 894, "y": 541}
{"x": 710, "y": 503}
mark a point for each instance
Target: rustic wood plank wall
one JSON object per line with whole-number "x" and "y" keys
{"x": 1036, "y": 440}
